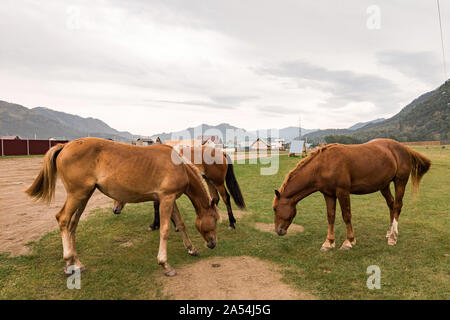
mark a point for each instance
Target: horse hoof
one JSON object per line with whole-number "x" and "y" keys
{"x": 392, "y": 242}
{"x": 232, "y": 227}
{"x": 170, "y": 273}
{"x": 69, "y": 273}
{"x": 388, "y": 234}
{"x": 346, "y": 246}
{"x": 193, "y": 252}
{"x": 327, "y": 247}
{"x": 153, "y": 228}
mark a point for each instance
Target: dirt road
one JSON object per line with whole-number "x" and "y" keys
{"x": 23, "y": 220}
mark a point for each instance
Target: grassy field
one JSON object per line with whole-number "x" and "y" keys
{"x": 417, "y": 268}
{"x": 14, "y": 157}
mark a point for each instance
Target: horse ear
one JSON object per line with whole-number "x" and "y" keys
{"x": 277, "y": 193}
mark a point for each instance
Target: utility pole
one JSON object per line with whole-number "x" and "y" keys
{"x": 300, "y": 128}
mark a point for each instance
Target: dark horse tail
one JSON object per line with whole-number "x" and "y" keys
{"x": 233, "y": 186}
{"x": 420, "y": 166}
{"x": 43, "y": 187}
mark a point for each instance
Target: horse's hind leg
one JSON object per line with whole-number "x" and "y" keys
{"x": 400, "y": 185}
{"x": 386, "y": 192}
{"x": 226, "y": 199}
{"x": 344, "y": 202}
{"x": 329, "y": 243}
{"x": 182, "y": 228}
{"x": 68, "y": 218}
{"x": 155, "y": 223}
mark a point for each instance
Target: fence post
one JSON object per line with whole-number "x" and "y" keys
{"x": 49, "y": 144}
{"x": 3, "y": 153}
{"x": 28, "y": 147}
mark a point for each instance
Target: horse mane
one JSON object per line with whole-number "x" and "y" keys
{"x": 198, "y": 175}
{"x": 304, "y": 162}
{"x": 201, "y": 178}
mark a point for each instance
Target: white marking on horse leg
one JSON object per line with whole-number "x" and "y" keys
{"x": 67, "y": 245}
{"x": 327, "y": 246}
{"x": 162, "y": 253}
{"x": 388, "y": 233}
{"x": 393, "y": 237}
{"x": 346, "y": 245}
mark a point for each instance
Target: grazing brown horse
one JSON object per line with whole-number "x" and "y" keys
{"x": 129, "y": 174}
{"x": 340, "y": 170}
{"x": 217, "y": 169}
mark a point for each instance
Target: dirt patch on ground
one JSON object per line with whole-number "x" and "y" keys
{"x": 219, "y": 278}
{"x": 269, "y": 227}
{"x": 23, "y": 220}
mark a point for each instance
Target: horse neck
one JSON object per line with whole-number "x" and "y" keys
{"x": 301, "y": 182}
{"x": 196, "y": 191}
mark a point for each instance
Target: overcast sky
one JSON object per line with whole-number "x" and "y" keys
{"x": 148, "y": 66}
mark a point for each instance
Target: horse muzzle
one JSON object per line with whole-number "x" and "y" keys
{"x": 211, "y": 243}
{"x": 281, "y": 232}
{"x": 116, "y": 211}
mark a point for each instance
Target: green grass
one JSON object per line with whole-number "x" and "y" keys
{"x": 417, "y": 268}
{"x": 25, "y": 156}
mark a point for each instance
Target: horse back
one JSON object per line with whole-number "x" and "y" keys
{"x": 124, "y": 172}
{"x": 364, "y": 168}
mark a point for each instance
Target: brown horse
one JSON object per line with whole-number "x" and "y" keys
{"x": 125, "y": 173}
{"x": 340, "y": 170}
{"x": 217, "y": 169}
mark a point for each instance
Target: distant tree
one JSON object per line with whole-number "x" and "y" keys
{"x": 341, "y": 139}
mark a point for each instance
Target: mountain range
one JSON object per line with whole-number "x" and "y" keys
{"x": 232, "y": 133}
{"x": 44, "y": 123}
{"x": 425, "y": 118}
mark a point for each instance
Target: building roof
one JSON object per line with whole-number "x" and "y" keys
{"x": 259, "y": 141}
{"x": 11, "y": 138}
{"x": 215, "y": 139}
{"x": 145, "y": 139}
{"x": 297, "y": 146}
{"x": 187, "y": 142}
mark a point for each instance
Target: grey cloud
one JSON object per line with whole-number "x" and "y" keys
{"x": 345, "y": 85}
{"x": 217, "y": 101}
{"x": 232, "y": 100}
{"x": 278, "y": 110}
{"x": 200, "y": 103}
{"x": 424, "y": 66}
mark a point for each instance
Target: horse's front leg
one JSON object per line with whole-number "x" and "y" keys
{"x": 344, "y": 201}
{"x": 329, "y": 243}
{"x": 166, "y": 208}
{"x": 182, "y": 228}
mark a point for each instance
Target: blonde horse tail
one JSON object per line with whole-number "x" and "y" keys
{"x": 420, "y": 166}
{"x": 43, "y": 187}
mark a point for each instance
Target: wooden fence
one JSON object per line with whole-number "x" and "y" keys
{"x": 27, "y": 147}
